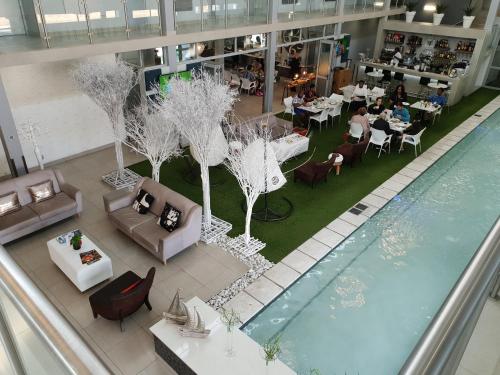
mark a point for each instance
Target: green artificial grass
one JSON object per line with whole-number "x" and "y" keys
{"x": 315, "y": 207}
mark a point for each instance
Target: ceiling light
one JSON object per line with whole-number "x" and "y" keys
{"x": 378, "y": 3}
{"x": 430, "y": 7}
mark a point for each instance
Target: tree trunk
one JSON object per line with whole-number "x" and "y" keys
{"x": 39, "y": 157}
{"x": 156, "y": 172}
{"x": 248, "y": 220}
{"x": 205, "y": 183}
{"x": 119, "y": 156}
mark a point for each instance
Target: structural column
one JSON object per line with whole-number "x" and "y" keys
{"x": 340, "y": 12}
{"x": 9, "y": 136}
{"x": 167, "y": 14}
{"x": 267, "y": 104}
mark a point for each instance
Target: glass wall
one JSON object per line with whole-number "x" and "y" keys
{"x": 11, "y": 18}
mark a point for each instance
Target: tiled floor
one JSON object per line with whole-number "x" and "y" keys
{"x": 202, "y": 271}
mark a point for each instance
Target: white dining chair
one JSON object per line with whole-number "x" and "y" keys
{"x": 379, "y": 138}
{"x": 413, "y": 140}
{"x": 335, "y": 112}
{"x": 356, "y": 130}
{"x": 227, "y": 77}
{"x": 320, "y": 118}
{"x": 288, "y": 103}
{"x": 436, "y": 114}
{"x": 247, "y": 85}
{"x": 348, "y": 91}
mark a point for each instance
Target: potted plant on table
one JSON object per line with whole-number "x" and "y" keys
{"x": 76, "y": 241}
{"x": 438, "y": 15}
{"x": 410, "y": 11}
{"x": 270, "y": 351}
{"x": 468, "y": 17}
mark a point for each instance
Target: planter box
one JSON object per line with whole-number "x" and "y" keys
{"x": 410, "y": 16}
{"x": 468, "y": 21}
{"x": 437, "y": 18}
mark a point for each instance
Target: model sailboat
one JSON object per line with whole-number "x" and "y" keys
{"x": 177, "y": 312}
{"x": 195, "y": 325}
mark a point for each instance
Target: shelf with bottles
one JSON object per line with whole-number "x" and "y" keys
{"x": 442, "y": 44}
{"x": 414, "y": 41}
{"x": 394, "y": 38}
{"x": 465, "y": 47}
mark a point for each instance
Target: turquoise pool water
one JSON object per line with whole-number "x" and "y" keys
{"x": 363, "y": 307}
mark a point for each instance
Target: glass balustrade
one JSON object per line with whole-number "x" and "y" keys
{"x": 11, "y": 18}
{"x": 143, "y": 18}
{"x": 214, "y": 14}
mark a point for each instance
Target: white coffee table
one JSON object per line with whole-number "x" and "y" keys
{"x": 290, "y": 146}
{"x": 82, "y": 275}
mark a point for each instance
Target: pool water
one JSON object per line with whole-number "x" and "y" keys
{"x": 363, "y": 307}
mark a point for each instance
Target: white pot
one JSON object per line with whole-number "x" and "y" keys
{"x": 437, "y": 18}
{"x": 410, "y": 16}
{"x": 468, "y": 21}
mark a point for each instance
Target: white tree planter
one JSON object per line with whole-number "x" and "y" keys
{"x": 150, "y": 134}
{"x": 108, "y": 85}
{"x": 31, "y": 132}
{"x": 468, "y": 21}
{"x": 437, "y": 18}
{"x": 197, "y": 109}
{"x": 410, "y": 16}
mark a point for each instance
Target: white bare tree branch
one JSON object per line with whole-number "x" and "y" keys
{"x": 150, "y": 134}
{"x": 252, "y": 161}
{"x": 197, "y": 108}
{"x": 30, "y": 132}
{"x": 108, "y": 84}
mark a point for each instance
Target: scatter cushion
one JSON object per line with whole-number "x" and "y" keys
{"x": 170, "y": 218}
{"x": 42, "y": 191}
{"x": 143, "y": 202}
{"x": 9, "y": 203}
{"x": 131, "y": 287}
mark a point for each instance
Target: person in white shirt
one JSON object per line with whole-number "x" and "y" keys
{"x": 359, "y": 96}
{"x": 396, "y": 59}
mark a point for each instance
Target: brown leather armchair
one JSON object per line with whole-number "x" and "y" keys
{"x": 313, "y": 172}
{"x": 352, "y": 153}
{"x": 122, "y": 296}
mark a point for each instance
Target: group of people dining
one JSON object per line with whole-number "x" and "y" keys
{"x": 255, "y": 73}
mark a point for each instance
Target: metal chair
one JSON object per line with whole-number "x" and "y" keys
{"x": 413, "y": 140}
{"x": 379, "y": 138}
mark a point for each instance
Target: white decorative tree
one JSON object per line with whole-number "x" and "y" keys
{"x": 150, "y": 134}
{"x": 108, "y": 83}
{"x": 30, "y": 132}
{"x": 197, "y": 107}
{"x": 253, "y": 162}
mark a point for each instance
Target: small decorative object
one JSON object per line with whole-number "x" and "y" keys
{"x": 170, "y": 218}
{"x": 89, "y": 257}
{"x": 76, "y": 240}
{"x": 143, "y": 202}
{"x": 410, "y": 11}
{"x": 230, "y": 319}
{"x": 31, "y": 132}
{"x": 270, "y": 351}
{"x": 177, "y": 312}
{"x": 195, "y": 325}
{"x": 438, "y": 15}
{"x": 468, "y": 17}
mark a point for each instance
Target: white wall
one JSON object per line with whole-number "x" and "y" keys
{"x": 70, "y": 122}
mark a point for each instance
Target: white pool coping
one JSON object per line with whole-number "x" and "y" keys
{"x": 268, "y": 286}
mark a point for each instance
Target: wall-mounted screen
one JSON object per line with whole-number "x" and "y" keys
{"x": 165, "y": 79}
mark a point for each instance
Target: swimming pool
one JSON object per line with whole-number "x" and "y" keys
{"x": 364, "y": 306}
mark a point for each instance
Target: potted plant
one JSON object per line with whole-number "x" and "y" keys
{"x": 438, "y": 15}
{"x": 230, "y": 319}
{"x": 270, "y": 351}
{"x": 468, "y": 17}
{"x": 76, "y": 241}
{"x": 410, "y": 11}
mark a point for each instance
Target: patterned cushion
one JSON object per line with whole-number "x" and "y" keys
{"x": 42, "y": 191}
{"x": 143, "y": 202}
{"x": 170, "y": 218}
{"x": 9, "y": 203}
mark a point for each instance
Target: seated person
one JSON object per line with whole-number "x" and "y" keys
{"x": 310, "y": 94}
{"x": 360, "y": 118}
{"x": 438, "y": 98}
{"x": 401, "y": 112}
{"x": 376, "y": 108}
{"x": 299, "y": 101}
{"x": 382, "y": 124}
{"x": 399, "y": 95}
{"x": 415, "y": 128}
{"x": 248, "y": 74}
{"x": 359, "y": 96}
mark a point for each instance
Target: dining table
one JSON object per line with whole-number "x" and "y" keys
{"x": 320, "y": 104}
{"x": 394, "y": 123}
{"x": 424, "y": 106}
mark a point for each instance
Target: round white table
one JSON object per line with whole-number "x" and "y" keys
{"x": 437, "y": 85}
{"x": 375, "y": 74}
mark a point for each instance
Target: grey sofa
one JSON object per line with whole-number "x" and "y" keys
{"x": 33, "y": 216}
{"x": 144, "y": 229}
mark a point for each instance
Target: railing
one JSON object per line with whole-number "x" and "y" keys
{"x": 24, "y": 310}
{"x": 441, "y": 347}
